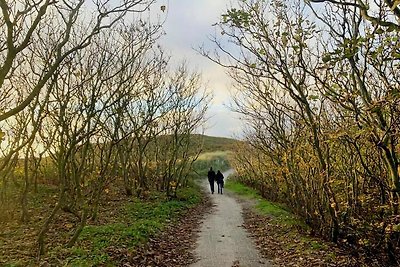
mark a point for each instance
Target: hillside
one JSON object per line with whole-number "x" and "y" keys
{"x": 212, "y": 143}
{"x": 215, "y": 153}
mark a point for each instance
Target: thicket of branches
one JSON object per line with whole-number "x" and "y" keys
{"x": 88, "y": 99}
{"x": 318, "y": 82}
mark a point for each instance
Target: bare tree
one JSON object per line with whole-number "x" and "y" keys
{"x": 88, "y": 90}
{"x": 23, "y": 23}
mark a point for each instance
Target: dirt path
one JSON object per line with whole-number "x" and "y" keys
{"x": 222, "y": 239}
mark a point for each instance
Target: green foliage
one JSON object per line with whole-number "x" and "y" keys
{"x": 332, "y": 256}
{"x": 15, "y": 264}
{"x": 190, "y": 195}
{"x": 219, "y": 160}
{"x": 277, "y": 211}
{"x": 212, "y": 143}
{"x": 237, "y": 17}
{"x": 134, "y": 222}
{"x": 241, "y": 189}
{"x": 316, "y": 245}
{"x": 318, "y": 95}
{"x": 138, "y": 221}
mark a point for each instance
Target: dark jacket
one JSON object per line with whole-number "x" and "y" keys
{"x": 220, "y": 177}
{"x": 211, "y": 176}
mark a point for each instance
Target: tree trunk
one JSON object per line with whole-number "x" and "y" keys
{"x": 79, "y": 228}
{"x": 24, "y": 198}
{"x": 46, "y": 225}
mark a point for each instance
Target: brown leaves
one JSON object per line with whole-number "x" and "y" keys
{"x": 286, "y": 246}
{"x": 173, "y": 247}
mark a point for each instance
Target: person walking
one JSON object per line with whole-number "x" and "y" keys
{"x": 220, "y": 181}
{"x": 211, "y": 179}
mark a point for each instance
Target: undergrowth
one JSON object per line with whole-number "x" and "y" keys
{"x": 136, "y": 220}
{"x": 279, "y": 214}
{"x": 277, "y": 211}
{"x": 218, "y": 160}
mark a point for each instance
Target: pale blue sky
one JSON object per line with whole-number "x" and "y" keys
{"x": 187, "y": 26}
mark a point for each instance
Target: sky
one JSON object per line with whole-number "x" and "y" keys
{"x": 187, "y": 26}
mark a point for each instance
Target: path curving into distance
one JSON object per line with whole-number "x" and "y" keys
{"x": 222, "y": 241}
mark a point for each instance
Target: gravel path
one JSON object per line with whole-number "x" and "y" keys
{"x": 222, "y": 239}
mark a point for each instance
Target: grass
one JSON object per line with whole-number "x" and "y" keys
{"x": 138, "y": 221}
{"x": 284, "y": 218}
{"x": 241, "y": 189}
{"x": 277, "y": 211}
{"x": 213, "y": 143}
{"x": 216, "y": 152}
{"x": 135, "y": 222}
{"x": 217, "y": 159}
{"x": 317, "y": 245}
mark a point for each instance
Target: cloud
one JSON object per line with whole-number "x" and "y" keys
{"x": 190, "y": 22}
{"x": 188, "y": 25}
{"x": 223, "y": 122}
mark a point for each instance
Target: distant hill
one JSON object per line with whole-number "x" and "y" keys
{"x": 212, "y": 143}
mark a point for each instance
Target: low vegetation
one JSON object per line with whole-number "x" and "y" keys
{"x": 125, "y": 223}
{"x": 278, "y": 213}
{"x": 87, "y": 112}
{"x": 213, "y": 144}
{"x": 283, "y": 237}
{"x": 318, "y": 84}
{"x": 219, "y": 160}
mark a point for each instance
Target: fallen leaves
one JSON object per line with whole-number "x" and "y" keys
{"x": 173, "y": 247}
{"x": 288, "y": 247}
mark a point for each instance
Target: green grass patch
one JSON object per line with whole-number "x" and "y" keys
{"x": 13, "y": 264}
{"x": 292, "y": 231}
{"x": 219, "y": 160}
{"x": 314, "y": 244}
{"x": 331, "y": 257}
{"x": 317, "y": 245}
{"x": 212, "y": 143}
{"x": 277, "y": 211}
{"x": 134, "y": 222}
{"x": 241, "y": 189}
{"x": 138, "y": 221}
{"x": 213, "y": 154}
{"x": 44, "y": 192}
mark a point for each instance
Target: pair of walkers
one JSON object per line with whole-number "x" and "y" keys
{"x": 215, "y": 177}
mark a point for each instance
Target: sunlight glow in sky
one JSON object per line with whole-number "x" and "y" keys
{"x": 187, "y": 26}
